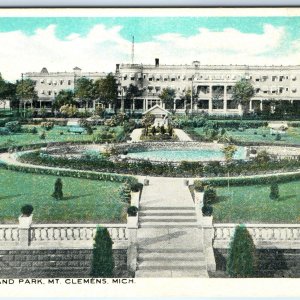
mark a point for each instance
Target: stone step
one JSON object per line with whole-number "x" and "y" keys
{"x": 169, "y": 208}
{"x": 170, "y": 224}
{"x": 191, "y": 256}
{"x": 169, "y": 274}
{"x": 178, "y": 250}
{"x": 172, "y": 267}
{"x": 173, "y": 219}
{"x": 166, "y": 214}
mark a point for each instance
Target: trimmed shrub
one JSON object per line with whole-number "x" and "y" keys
{"x": 4, "y": 131}
{"x": 103, "y": 261}
{"x": 207, "y": 210}
{"x": 274, "y": 191}
{"x": 26, "y": 210}
{"x": 136, "y": 187}
{"x": 125, "y": 192}
{"x": 132, "y": 211}
{"x": 278, "y": 137}
{"x": 199, "y": 186}
{"x": 47, "y": 125}
{"x": 58, "y": 193}
{"x": 32, "y": 130}
{"x": 13, "y": 126}
{"x": 210, "y": 195}
{"x": 241, "y": 262}
{"x": 43, "y": 135}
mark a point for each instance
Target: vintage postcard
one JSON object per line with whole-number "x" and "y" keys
{"x": 150, "y": 152}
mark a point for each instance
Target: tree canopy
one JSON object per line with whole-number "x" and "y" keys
{"x": 167, "y": 96}
{"x": 242, "y": 92}
{"x": 64, "y": 97}
{"x": 106, "y": 90}
{"x": 25, "y": 90}
{"x": 84, "y": 89}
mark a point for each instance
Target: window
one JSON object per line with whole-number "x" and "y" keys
{"x": 49, "y": 93}
{"x": 257, "y": 91}
{"x": 281, "y": 78}
{"x": 274, "y": 78}
{"x": 131, "y": 78}
{"x": 294, "y": 78}
{"x": 61, "y": 82}
{"x": 150, "y": 78}
{"x": 287, "y": 89}
{"x": 173, "y": 79}
{"x": 257, "y": 79}
{"x": 69, "y": 82}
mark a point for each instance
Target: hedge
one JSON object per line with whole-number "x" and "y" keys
{"x": 71, "y": 173}
{"x": 257, "y": 180}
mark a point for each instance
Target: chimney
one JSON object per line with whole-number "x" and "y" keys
{"x": 117, "y": 68}
{"x": 156, "y": 62}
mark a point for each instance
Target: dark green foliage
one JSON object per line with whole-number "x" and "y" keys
{"x": 153, "y": 130}
{"x": 210, "y": 195}
{"x": 199, "y": 186}
{"x": 4, "y": 131}
{"x": 58, "y": 193}
{"x": 274, "y": 191}
{"x": 162, "y": 129}
{"x": 47, "y": 125}
{"x": 136, "y": 187}
{"x": 278, "y": 137}
{"x": 207, "y": 210}
{"x": 27, "y": 210}
{"x": 103, "y": 261}
{"x": 125, "y": 192}
{"x": 132, "y": 211}
{"x": 241, "y": 260}
{"x": 13, "y": 126}
{"x": 43, "y": 135}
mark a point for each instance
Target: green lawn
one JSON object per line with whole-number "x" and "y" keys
{"x": 256, "y": 135}
{"x": 251, "y": 204}
{"x": 52, "y": 135}
{"x": 85, "y": 201}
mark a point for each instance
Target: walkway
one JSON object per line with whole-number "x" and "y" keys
{"x": 182, "y": 136}
{"x": 169, "y": 238}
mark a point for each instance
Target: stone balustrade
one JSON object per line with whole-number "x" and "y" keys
{"x": 265, "y": 236}
{"x": 60, "y": 235}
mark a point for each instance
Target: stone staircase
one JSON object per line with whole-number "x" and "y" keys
{"x": 170, "y": 243}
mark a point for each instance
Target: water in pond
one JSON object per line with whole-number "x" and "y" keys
{"x": 185, "y": 154}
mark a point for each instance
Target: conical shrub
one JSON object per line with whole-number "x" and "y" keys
{"x": 102, "y": 262}
{"x": 58, "y": 193}
{"x": 241, "y": 261}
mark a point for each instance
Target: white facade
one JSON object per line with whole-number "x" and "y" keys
{"x": 49, "y": 84}
{"x": 211, "y": 84}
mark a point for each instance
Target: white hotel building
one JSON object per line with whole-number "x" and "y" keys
{"x": 212, "y": 85}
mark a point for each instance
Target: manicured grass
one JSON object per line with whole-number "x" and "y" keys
{"x": 256, "y": 135}
{"x": 53, "y": 135}
{"x": 85, "y": 201}
{"x": 251, "y": 204}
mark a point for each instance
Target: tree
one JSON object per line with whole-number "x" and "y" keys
{"x": 241, "y": 261}
{"x": 106, "y": 90}
{"x": 102, "y": 262}
{"x": 84, "y": 90}
{"x": 58, "y": 193}
{"x": 25, "y": 90}
{"x": 64, "y": 97}
{"x": 229, "y": 151}
{"x": 131, "y": 92}
{"x": 7, "y": 91}
{"x": 167, "y": 97}
{"x": 242, "y": 92}
{"x": 274, "y": 191}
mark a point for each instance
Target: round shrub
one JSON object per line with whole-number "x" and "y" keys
{"x": 13, "y": 126}
{"x": 207, "y": 210}
{"x": 278, "y": 137}
{"x": 132, "y": 211}
{"x": 58, "y": 193}
{"x": 47, "y": 125}
{"x": 27, "y": 210}
{"x": 4, "y": 131}
{"x": 136, "y": 187}
{"x": 61, "y": 133}
{"x": 198, "y": 186}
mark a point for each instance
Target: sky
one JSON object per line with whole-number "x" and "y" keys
{"x": 27, "y": 44}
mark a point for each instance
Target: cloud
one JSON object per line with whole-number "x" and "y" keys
{"x": 102, "y": 47}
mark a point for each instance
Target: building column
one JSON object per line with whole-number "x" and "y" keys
{"x": 133, "y": 104}
{"x": 261, "y": 105}
{"x": 225, "y": 99}
{"x": 210, "y": 99}
{"x": 250, "y": 105}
